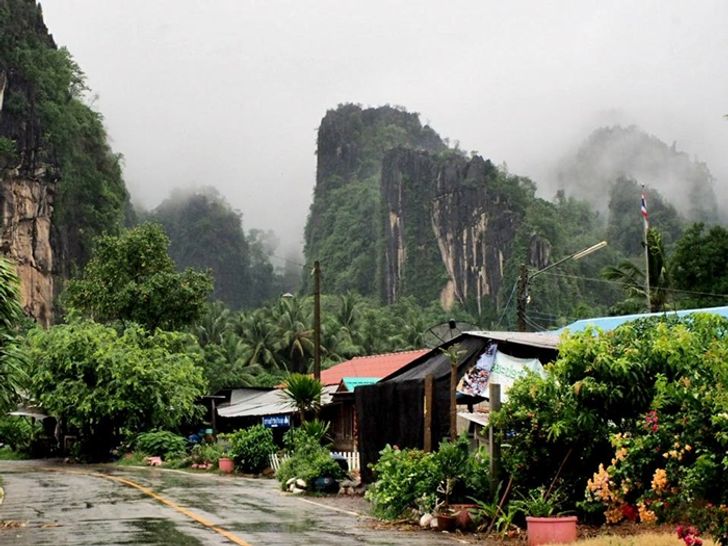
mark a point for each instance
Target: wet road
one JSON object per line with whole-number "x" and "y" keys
{"x": 64, "y": 505}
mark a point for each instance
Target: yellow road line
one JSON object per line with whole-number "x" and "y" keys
{"x": 173, "y": 505}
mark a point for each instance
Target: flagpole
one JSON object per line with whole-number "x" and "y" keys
{"x": 643, "y": 207}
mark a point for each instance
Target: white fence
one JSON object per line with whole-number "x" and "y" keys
{"x": 352, "y": 459}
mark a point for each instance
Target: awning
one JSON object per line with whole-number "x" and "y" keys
{"x": 475, "y": 417}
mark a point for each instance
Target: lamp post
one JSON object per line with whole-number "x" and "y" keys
{"x": 524, "y": 278}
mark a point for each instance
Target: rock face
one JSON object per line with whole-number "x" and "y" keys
{"x": 397, "y": 213}
{"x": 448, "y": 230}
{"x": 25, "y": 238}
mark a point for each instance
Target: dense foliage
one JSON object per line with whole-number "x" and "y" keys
{"x": 162, "y": 443}
{"x": 103, "y": 383}
{"x": 47, "y": 129}
{"x": 131, "y": 278}
{"x": 637, "y": 413}
{"x": 411, "y": 480}
{"x": 251, "y": 447}
{"x": 206, "y": 233}
{"x": 308, "y": 459}
{"x": 11, "y": 359}
{"x": 699, "y": 266}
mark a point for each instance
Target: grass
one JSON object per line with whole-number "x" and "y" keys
{"x": 7, "y": 454}
{"x": 646, "y": 539}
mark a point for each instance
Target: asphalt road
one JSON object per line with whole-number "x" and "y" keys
{"x": 75, "y": 505}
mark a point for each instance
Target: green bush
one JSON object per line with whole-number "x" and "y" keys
{"x": 251, "y": 447}
{"x": 309, "y": 460}
{"x": 161, "y": 443}
{"x": 18, "y": 433}
{"x": 406, "y": 479}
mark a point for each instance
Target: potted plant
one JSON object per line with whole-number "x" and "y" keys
{"x": 543, "y": 523}
{"x": 225, "y": 461}
{"x": 444, "y": 513}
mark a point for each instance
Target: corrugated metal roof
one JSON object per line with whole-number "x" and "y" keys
{"x": 546, "y": 340}
{"x": 369, "y": 366}
{"x": 610, "y": 323}
{"x": 256, "y": 403}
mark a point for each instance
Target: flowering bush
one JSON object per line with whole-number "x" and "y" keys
{"x": 645, "y": 407}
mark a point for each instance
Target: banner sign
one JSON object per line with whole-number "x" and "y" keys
{"x": 475, "y": 381}
{"x": 275, "y": 421}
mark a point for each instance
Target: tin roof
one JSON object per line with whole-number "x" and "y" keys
{"x": 610, "y": 323}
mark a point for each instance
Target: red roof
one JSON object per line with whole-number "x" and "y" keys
{"x": 369, "y": 366}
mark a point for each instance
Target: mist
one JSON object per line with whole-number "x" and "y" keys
{"x": 230, "y": 93}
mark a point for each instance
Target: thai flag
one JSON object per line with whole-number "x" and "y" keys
{"x": 643, "y": 210}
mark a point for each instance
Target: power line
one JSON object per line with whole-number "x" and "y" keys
{"x": 505, "y": 309}
{"x": 619, "y": 283}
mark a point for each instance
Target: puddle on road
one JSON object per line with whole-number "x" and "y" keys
{"x": 283, "y": 527}
{"x": 161, "y": 532}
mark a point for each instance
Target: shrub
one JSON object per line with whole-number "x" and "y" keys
{"x": 309, "y": 460}
{"x": 406, "y": 479}
{"x": 161, "y": 443}
{"x": 315, "y": 429}
{"x": 251, "y": 447}
{"x": 18, "y": 433}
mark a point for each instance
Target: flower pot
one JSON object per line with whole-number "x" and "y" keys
{"x": 463, "y": 519}
{"x": 226, "y": 465}
{"x": 445, "y": 522}
{"x": 552, "y": 530}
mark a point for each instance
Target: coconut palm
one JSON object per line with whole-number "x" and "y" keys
{"x": 632, "y": 278}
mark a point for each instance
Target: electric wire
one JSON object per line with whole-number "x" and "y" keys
{"x": 619, "y": 283}
{"x": 505, "y": 309}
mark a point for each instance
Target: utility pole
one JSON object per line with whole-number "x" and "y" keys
{"x": 522, "y": 298}
{"x": 524, "y": 278}
{"x": 316, "y": 320}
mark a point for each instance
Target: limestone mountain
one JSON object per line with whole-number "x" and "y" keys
{"x": 612, "y": 153}
{"x": 398, "y": 213}
{"x": 60, "y": 183}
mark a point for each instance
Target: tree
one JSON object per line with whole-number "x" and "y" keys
{"x": 131, "y": 278}
{"x": 304, "y": 393}
{"x": 700, "y": 264}
{"x": 632, "y": 279}
{"x": 101, "y": 382}
{"x": 10, "y": 355}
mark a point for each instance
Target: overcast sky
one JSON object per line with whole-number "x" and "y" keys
{"x": 230, "y": 93}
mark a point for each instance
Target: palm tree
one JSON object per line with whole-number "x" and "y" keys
{"x": 304, "y": 393}
{"x": 11, "y": 359}
{"x": 632, "y": 278}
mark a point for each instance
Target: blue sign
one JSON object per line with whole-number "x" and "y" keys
{"x": 275, "y": 421}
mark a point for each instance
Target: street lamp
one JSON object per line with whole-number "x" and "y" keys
{"x": 524, "y": 278}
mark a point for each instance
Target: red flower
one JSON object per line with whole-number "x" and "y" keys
{"x": 630, "y": 513}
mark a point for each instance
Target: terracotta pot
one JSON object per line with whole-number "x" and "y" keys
{"x": 445, "y": 522}
{"x": 552, "y": 530}
{"x": 463, "y": 519}
{"x": 226, "y": 465}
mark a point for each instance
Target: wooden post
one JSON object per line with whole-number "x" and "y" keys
{"x": 494, "y": 447}
{"x": 453, "y": 399}
{"x": 316, "y": 320}
{"x": 429, "y": 398}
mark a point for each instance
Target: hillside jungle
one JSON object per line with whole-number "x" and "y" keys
{"x": 409, "y": 229}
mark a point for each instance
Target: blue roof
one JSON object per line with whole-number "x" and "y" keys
{"x": 610, "y": 323}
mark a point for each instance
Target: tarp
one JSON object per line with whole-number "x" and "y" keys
{"x": 509, "y": 368}
{"x": 610, "y": 323}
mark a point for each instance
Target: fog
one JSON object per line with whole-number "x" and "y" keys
{"x": 230, "y": 93}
